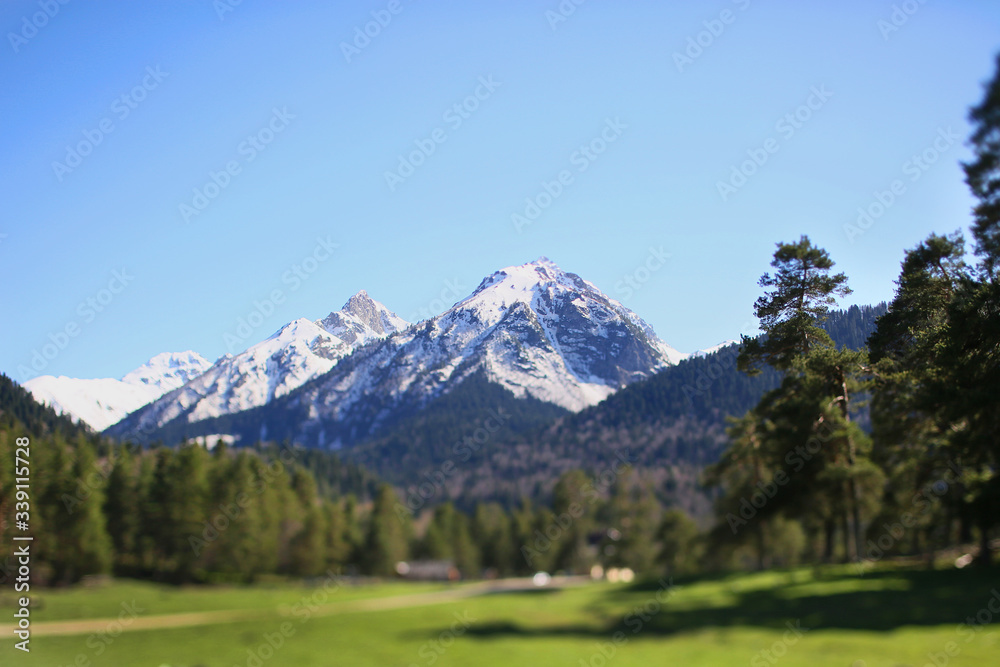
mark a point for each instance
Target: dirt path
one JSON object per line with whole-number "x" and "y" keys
{"x": 187, "y": 619}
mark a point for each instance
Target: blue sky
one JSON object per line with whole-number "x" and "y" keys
{"x": 308, "y": 130}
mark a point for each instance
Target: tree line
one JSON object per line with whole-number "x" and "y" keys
{"x": 926, "y": 475}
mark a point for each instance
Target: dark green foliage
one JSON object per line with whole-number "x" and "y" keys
{"x": 983, "y": 174}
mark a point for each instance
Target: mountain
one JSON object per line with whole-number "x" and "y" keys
{"x": 100, "y": 403}
{"x": 534, "y": 330}
{"x": 670, "y": 426}
{"x": 298, "y": 352}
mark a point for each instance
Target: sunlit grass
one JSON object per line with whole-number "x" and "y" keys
{"x": 888, "y": 617}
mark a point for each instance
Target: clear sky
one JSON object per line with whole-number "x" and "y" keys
{"x": 115, "y": 115}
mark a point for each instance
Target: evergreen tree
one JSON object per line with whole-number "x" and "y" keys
{"x": 983, "y": 175}
{"x": 120, "y": 503}
{"x": 814, "y": 401}
{"x": 492, "y": 532}
{"x": 308, "y": 544}
{"x": 574, "y": 509}
{"x": 387, "y": 542}
{"x": 680, "y": 548}
{"x": 792, "y": 313}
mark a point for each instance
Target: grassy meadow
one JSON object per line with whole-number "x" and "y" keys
{"x": 834, "y": 616}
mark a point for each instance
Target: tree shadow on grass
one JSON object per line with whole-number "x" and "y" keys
{"x": 880, "y": 601}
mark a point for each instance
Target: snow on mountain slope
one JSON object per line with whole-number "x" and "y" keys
{"x": 104, "y": 401}
{"x": 715, "y": 348}
{"x": 533, "y": 329}
{"x": 295, "y": 354}
{"x": 361, "y": 320}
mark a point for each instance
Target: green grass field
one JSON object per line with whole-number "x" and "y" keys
{"x": 831, "y": 616}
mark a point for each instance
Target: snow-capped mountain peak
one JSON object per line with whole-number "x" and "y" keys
{"x": 362, "y": 319}
{"x": 169, "y": 370}
{"x": 101, "y": 402}
{"x": 534, "y": 329}
{"x": 296, "y": 353}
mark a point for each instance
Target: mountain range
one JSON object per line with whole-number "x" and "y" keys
{"x": 534, "y": 329}
{"x": 532, "y": 374}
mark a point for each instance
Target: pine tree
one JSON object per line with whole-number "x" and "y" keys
{"x": 387, "y": 542}
{"x": 680, "y": 548}
{"x": 814, "y": 400}
{"x": 307, "y": 549}
{"x": 574, "y": 510}
{"x": 983, "y": 175}
{"x": 492, "y": 532}
{"x": 120, "y": 503}
{"x": 791, "y": 314}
